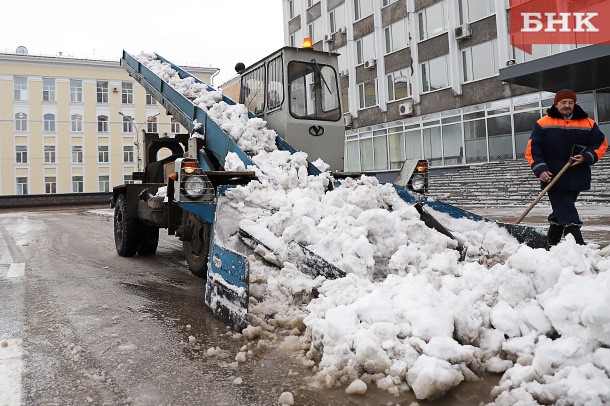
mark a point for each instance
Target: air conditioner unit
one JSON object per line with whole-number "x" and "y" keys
{"x": 406, "y": 109}
{"x": 115, "y": 89}
{"x": 344, "y": 72}
{"x": 371, "y": 63}
{"x": 349, "y": 120}
{"x": 342, "y": 30}
{"x": 329, "y": 38}
{"x": 463, "y": 32}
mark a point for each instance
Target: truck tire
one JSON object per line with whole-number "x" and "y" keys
{"x": 149, "y": 240}
{"x": 196, "y": 250}
{"x": 126, "y": 230}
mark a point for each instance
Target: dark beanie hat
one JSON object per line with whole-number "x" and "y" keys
{"x": 564, "y": 94}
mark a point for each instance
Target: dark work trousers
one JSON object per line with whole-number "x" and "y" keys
{"x": 564, "y": 208}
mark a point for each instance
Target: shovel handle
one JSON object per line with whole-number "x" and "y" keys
{"x": 546, "y": 189}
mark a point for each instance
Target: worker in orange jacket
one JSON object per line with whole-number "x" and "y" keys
{"x": 565, "y": 133}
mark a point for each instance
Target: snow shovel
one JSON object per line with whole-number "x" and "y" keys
{"x": 551, "y": 183}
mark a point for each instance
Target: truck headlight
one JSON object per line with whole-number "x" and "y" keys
{"x": 194, "y": 187}
{"x": 418, "y": 182}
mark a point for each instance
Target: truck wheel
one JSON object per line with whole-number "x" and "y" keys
{"x": 196, "y": 250}
{"x": 126, "y": 231}
{"x": 149, "y": 239}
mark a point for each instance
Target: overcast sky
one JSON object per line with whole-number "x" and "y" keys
{"x": 209, "y": 33}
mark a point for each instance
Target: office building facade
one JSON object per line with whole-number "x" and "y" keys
{"x": 73, "y": 125}
{"x": 440, "y": 80}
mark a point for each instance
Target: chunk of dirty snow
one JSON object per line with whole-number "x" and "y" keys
{"x": 238, "y": 381}
{"x": 252, "y": 332}
{"x": 431, "y": 377}
{"x": 240, "y": 357}
{"x": 286, "y": 398}
{"x": 212, "y": 351}
{"x": 357, "y": 387}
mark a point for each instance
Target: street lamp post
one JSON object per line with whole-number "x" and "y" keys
{"x": 136, "y": 141}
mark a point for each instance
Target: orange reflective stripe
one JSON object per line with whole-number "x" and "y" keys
{"x": 547, "y": 121}
{"x": 528, "y": 152}
{"x": 601, "y": 151}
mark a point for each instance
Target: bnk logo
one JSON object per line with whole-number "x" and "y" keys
{"x": 580, "y": 22}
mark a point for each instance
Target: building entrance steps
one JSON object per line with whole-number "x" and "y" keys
{"x": 507, "y": 183}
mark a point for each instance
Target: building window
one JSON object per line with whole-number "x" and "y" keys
{"x": 150, "y": 100}
{"x": 76, "y": 123}
{"x": 472, "y": 10}
{"x": 399, "y": 85}
{"x": 77, "y": 154}
{"x": 128, "y": 153}
{"x": 77, "y": 184}
{"x": 345, "y": 99}
{"x": 336, "y": 18}
{"x": 127, "y": 179}
{"x": 475, "y": 138}
{"x": 472, "y": 68}
{"x": 385, "y": 3}
{"x": 367, "y": 92}
{"x": 21, "y": 184}
{"x": 314, "y": 30}
{"x": 365, "y": 49}
{"x": 76, "y": 91}
{"x": 292, "y": 42}
{"x": 21, "y": 154}
{"x": 127, "y": 93}
{"x": 48, "y": 89}
{"x": 104, "y": 183}
{"x": 102, "y": 124}
{"x": 175, "y": 126}
{"x": 102, "y": 154}
{"x": 50, "y": 184}
{"x": 49, "y": 123}
{"x": 434, "y": 74}
{"x": 500, "y": 137}
{"x": 396, "y": 36}
{"x": 21, "y": 122}
{"x": 291, "y": 9}
{"x": 102, "y": 91}
{"x": 396, "y": 147}
{"x": 20, "y": 88}
{"x": 432, "y": 20}
{"x": 127, "y": 124}
{"x": 151, "y": 125}
{"x": 362, "y": 8}
{"x": 49, "y": 154}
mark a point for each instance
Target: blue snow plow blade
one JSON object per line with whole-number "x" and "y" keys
{"x": 531, "y": 236}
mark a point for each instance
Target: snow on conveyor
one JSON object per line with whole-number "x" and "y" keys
{"x": 409, "y": 316}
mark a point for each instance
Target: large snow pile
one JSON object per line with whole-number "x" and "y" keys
{"x": 409, "y": 315}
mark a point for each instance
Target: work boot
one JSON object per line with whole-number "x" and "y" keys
{"x": 554, "y": 235}
{"x": 574, "y": 229}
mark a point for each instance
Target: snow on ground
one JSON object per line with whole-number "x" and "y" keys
{"x": 409, "y": 315}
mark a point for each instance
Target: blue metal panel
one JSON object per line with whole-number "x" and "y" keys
{"x": 205, "y": 211}
{"x": 232, "y": 267}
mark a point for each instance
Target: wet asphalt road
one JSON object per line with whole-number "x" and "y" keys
{"x": 100, "y": 329}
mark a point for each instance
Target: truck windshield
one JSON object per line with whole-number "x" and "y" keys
{"x": 313, "y": 91}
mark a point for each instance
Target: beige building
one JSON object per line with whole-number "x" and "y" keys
{"x": 73, "y": 125}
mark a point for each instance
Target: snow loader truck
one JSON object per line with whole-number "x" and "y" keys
{"x": 295, "y": 90}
